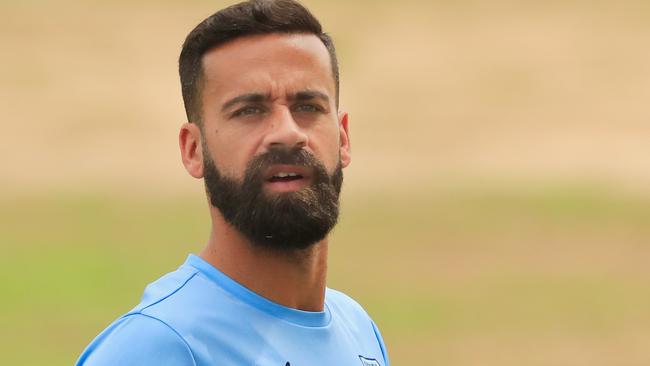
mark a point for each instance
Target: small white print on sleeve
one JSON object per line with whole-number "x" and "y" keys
{"x": 369, "y": 361}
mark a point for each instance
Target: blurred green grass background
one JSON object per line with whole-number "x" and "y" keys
{"x": 496, "y": 211}
{"x": 552, "y": 276}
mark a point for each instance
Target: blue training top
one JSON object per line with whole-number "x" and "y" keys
{"x": 198, "y": 316}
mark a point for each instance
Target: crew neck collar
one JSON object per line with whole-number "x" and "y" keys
{"x": 295, "y": 316}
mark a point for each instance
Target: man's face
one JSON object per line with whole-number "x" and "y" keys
{"x": 273, "y": 140}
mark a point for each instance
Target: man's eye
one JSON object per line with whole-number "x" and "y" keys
{"x": 247, "y": 111}
{"x": 307, "y": 108}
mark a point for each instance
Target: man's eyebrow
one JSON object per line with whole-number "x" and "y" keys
{"x": 309, "y": 95}
{"x": 244, "y": 98}
{"x": 259, "y": 97}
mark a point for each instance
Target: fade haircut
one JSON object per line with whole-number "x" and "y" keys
{"x": 252, "y": 17}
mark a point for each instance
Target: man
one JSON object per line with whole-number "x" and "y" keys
{"x": 260, "y": 86}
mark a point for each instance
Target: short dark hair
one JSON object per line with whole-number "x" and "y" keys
{"x": 252, "y": 17}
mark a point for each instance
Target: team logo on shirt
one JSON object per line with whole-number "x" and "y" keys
{"x": 369, "y": 361}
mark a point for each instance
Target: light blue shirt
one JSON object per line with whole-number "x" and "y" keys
{"x": 198, "y": 316}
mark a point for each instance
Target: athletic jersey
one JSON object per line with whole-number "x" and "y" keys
{"x": 198, "y": 316}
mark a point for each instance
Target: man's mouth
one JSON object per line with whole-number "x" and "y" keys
{"x": 287, "y": 178}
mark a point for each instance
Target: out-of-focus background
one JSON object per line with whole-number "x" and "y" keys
{"x": 497, "y": 210}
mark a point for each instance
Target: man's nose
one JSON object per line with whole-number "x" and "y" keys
{"x": 283, "y": 129}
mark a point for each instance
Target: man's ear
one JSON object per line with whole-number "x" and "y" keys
{"x": 344, "y": 139}
{"x": 189, "y": 140}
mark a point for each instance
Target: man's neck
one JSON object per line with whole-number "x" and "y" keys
{"x": 296, "y": 280}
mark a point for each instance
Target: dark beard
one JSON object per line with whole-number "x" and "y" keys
{"x": 283, "y": 222}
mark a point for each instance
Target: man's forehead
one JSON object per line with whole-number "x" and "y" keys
{"x": 291, "y": 62}
{"x": 250, "y": 46}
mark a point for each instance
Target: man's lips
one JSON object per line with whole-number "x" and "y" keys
{"x": 287, "y": 178}
{"x": 284, "y": 171}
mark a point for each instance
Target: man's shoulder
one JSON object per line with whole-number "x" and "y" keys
{"x": 355, "y": 316}
{"x": 343, "y": 305}
{"x": 159, "y": 324}
{"x": 185, "y": 291}
{"x": 148, "y": 329}
{"x": 167, "y": 288}
{"x": 138, "y": 339}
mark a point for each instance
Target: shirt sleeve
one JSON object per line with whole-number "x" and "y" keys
{"x": 138, "y": 339}
{"x": 381, "y": 343}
